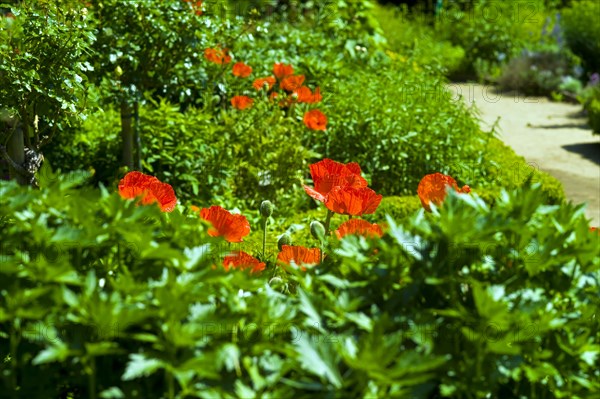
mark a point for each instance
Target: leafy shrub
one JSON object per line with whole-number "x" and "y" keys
{"x": 489, "y": 31}
{"x": 401, "y": 128}
{"x": 103, "y": 298}
{"x": 503, "y": 168}
{"x": 582, "y": 32}
{"x": 410, "y": 36}
{"x": 593, "y": 111}
{"x": 404, "y": 127}
{"x": 537, "y": 72}
{"x": 398, "y": 208}
{"x": 207, "y": 158}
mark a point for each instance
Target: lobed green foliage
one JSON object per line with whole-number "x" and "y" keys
{"x": 101, "y": 298}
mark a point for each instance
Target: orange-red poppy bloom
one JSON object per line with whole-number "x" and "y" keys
{"x": 359, "y": 227}
{"x": 149, "y": 189}
{"x": 217, "y": 55}
{"x": 291, "y": 83}
{"x": 282, "y": 70}
{"x": 241, "y": 260}
{"x": 196, "y": 6}
{"x": 241, "y": 70}
{"x": 305, "y": 95}
{"x": 432, "y": 189}
{"x": 352, "y": 201}
{"x": 230, "y": 226}
{"x": 315, "y": 120}
{"x": 261, "y": 83}
{"x": 327, "y": 174}
{"x": 241, "y": 102}
{"x": 301, "y": 256}
{"x": 594, "y": 229}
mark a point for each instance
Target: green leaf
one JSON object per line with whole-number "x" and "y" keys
{"x": 139, "y": 366}
{"x": 59, "y": 352}
{"x": 318, "y": 358}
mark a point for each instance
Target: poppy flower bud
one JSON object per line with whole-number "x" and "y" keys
{"x": 285, "y": 239}
{"x": 266, "y": 209}
{"x": 317, "y": 230}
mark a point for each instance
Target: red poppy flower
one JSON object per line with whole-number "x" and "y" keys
{"x": 432, "y": 188}
{"x": 260, "y": 83}
{"x": 594, "y": 229}
{"x": 304, "y": 95}
{"x": 217, "y": 55}
{"x": 282, "y": 70}
{"x": 327, "y": 174}
{"x": 359, "y": 227}
{"x": 225, "y": 224}
{"x": 315, "y": 120}
{"x": 149, "y": 189}
{"x": 241, "y": 260}
{"x": 241, "y": 102}
{"x": 291, "y": 83}
{"x": 165, "y": 196}
{"x": 241, "y": 70}
{"x": 299, "y": 255}
{"x": 352, "y": 201}
{"x": 196, "y": 6}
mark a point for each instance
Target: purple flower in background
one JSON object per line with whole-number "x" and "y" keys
{"x": 545, "y": 27}
{"x": 594, "y": 79}
{"x": 557, "y": 31}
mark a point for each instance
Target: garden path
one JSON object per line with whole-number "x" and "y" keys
{"x": 551, "y": 136}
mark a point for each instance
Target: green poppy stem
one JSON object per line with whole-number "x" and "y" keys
{"x": 264, "y": 240}
{"x": 92, "y": 378}
{"x": 328, "y": 222}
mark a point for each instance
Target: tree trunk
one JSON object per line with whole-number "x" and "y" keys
{"x": 127, "y": 136}
{"x": 138, "y": 139}
{"x": 16, "y": 151}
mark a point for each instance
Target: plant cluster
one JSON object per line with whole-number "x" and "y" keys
{"x": 110, "y": 298}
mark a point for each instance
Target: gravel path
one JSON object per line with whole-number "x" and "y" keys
{"x": 552, "y": 137}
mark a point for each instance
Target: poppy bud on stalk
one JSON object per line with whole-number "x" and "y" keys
{"x": 266, "y": 209}
{"x": 317, "y": 230}
{"x": 285, "y": 239}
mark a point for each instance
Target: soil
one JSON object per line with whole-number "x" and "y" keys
{"x": 552, "y": 136}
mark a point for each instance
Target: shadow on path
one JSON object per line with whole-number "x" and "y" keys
{"x": 589, "y": 151}
{"x": 563, "y": 126}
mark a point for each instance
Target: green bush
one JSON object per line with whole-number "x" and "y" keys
{"x": 537, "y": 72}
{"x": 489, "y": 32}
{"x": 504, "y": 168}
{"x": 593, "y": 110}
{"x": 101, "y": 298}
{"x": 398, "y": 208}
{"x": 582, "y": 32}
{"x": 405, "y": 126}
{"x": 402, "y": 126}
{"x": 236, "y": 154}
{"x": 411, "y": 37}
